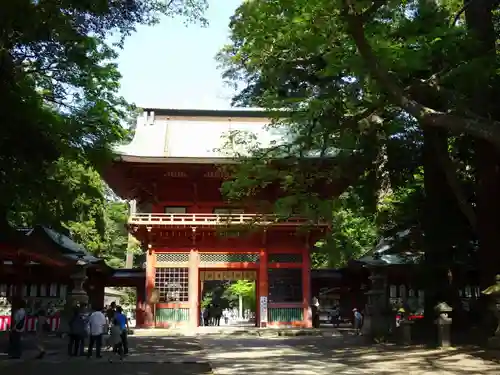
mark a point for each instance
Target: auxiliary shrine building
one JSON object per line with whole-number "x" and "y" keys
{"x": 172, "y": 175}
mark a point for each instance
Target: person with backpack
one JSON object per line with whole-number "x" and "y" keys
{"x": 77, "y": 333}
{"x": 16, "y": 331}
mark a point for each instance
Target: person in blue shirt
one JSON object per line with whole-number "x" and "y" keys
{"x": 123, "y": 322}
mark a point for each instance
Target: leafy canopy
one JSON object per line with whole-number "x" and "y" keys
{"x": 61, "y": 110}
{"x": 357, "y": 82}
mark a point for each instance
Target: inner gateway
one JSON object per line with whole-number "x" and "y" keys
{"x": 192, "y": 237}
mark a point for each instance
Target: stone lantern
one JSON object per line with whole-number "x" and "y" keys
{"x": 443, "y": 323}
{"x": 374, "y": 323}
{"x": 77, "y": 295}
{"x": 494, "y": 291}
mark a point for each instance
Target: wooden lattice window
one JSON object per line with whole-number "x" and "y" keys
{"x": 207, "y": 258}
{"x": 172, "y": 257}
{"x": 284, "y": 258}
{"x": 172, "y": 284}
{"x": 285, "y": 285}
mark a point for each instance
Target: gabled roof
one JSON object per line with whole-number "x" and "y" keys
{"x": 58, "y": 245}
{"x": 388, "y": 252}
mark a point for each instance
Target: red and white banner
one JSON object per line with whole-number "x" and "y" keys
{"x": 31, "y": 323}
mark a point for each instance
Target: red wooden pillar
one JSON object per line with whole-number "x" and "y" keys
{"x": 306, "y": 286}
{"x": 150, "y": 284}
{"x": 140, "y": 304}
{"x": 193, "y": 288}
{"x": 263, "y": 289}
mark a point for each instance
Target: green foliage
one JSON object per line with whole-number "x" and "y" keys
{"x": 243, "y": 288}
{"x": 113, "y": 243}
{"x": 61, "y": 112}
{"x": 353, "y": 234}
{"x": 60, "y": 85}
{"x": 355, "y": 83}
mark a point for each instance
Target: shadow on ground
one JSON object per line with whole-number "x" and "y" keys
{"x": 105, "y": 368}
{"x": 339, "y": 355}
{"x": 142, "y": 349}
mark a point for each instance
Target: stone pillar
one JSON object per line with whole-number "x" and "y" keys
{"x": 406, "y": 327}
{"x": 193, "y": 282}
{"x": 77, "y": 296}
{"x": 306, "y": 288}
{"x": 262, "y": 290}
{"x": 375, "y": 319}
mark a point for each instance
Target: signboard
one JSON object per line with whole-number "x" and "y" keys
{"x": 263, "y": 309}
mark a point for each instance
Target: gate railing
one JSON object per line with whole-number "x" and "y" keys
{"x": 216, "y": 219}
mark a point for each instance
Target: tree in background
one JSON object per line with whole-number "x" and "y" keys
{"x": 394, "y": 94}
{"x": 61, "y": 111}
{"x": 245, "y": 289}
{"x": 326, "y": 65}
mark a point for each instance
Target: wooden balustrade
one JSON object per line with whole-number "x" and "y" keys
{"x": 214, "y": 219}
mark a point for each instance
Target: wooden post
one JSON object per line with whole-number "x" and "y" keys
{"x": 306, "y": 287}
{"x": 193, "y": 291}
{"x": 150, "y": 284}
{"x": 262, "y": 290}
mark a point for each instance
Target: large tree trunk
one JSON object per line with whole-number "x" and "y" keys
{"x": 479, "y": 20}
{"x": 438, "y": 200}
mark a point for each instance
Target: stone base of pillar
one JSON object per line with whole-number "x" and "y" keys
{"x": 494, "y": 342}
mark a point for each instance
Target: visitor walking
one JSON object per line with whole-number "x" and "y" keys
{"x": 217, "y": 315}
{"x": 115, "y": 340}
{"x": 77, "y": 333}
{"x": 358, "y": 321}
{"x": 315, "y": 312}
{"x": 123, "y": 324}
{"x": 97, "y": 326}
{"x": 42, "y": 327}
{"x": 110, "y": 314}
{"x": 335, "y": 316}
{"x": 16, "y": 331}
{"x": 204, "y": 316}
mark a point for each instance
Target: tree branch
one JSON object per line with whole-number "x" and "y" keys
{"x": 460, "y": 12}
{"x": 452, "y": 179}
{"x": 376, "y": 5}
{"x": 477, "y": 127}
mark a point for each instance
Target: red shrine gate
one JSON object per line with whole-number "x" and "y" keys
{"x": 190, "y": 233}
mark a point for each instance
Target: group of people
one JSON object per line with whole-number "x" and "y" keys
{"x": 82, "y": 325}
{"x": 211, "y": 315}
{"x": 334, "y": 316}
{"x": 99, "y": 323}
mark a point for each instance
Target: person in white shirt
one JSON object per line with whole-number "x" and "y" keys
{"x": 97, "y": 323}
{"x": 17, "y": 328}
